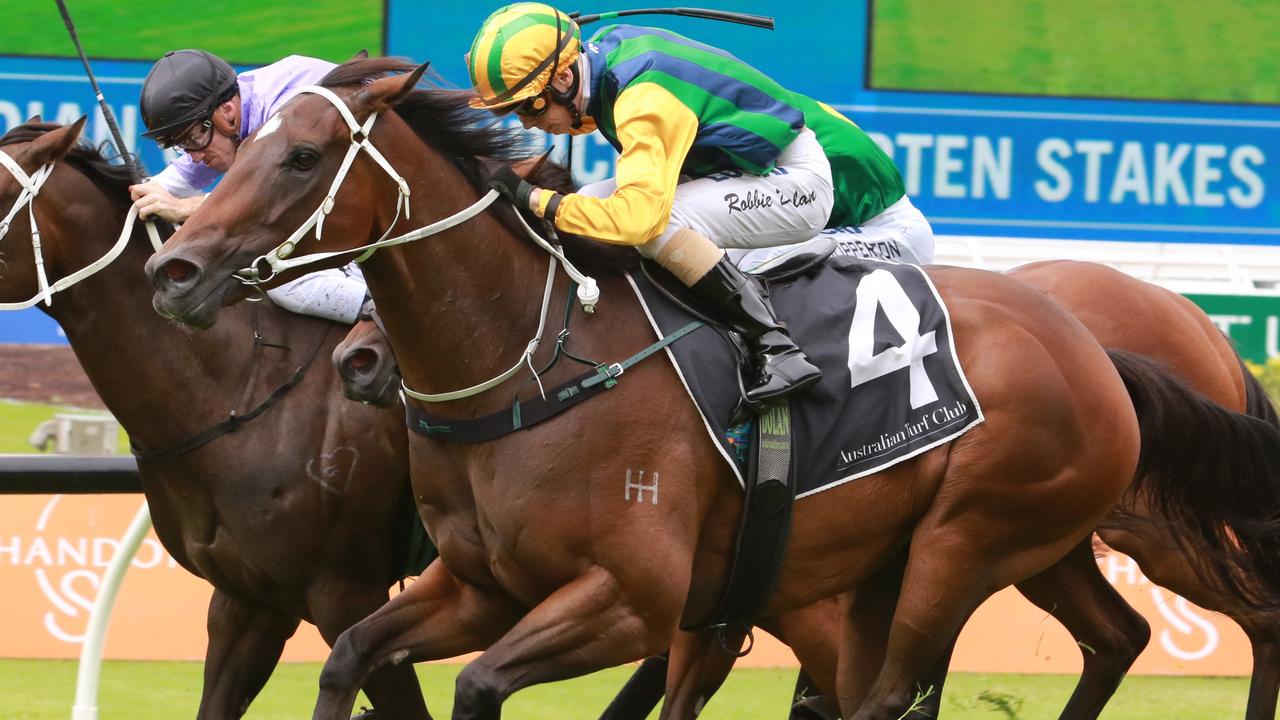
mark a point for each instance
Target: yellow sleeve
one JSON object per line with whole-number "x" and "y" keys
{"x": 655, "y": 131}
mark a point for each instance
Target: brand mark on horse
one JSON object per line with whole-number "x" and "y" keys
{"x": 333, "y": 470}
{"x": 639, "y": 486}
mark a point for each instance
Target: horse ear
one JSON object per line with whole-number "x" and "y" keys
{"x": 386, "y": 92}
{"x": 37, "y": 118}
{"x": 362, "y": 55}
{"x": 54, "y": 144}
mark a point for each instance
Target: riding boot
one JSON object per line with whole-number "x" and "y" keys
{"x": 781, "y": 368}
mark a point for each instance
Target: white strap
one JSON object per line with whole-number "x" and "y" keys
{"x": 31, "y": 186}
{"x": 278, "y": 259}
{"x": 526, "y": 359}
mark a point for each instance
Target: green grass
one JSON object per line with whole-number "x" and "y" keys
{"x": 241, "y": 31}
{"x": 1155, "y": 49}
{"x": 19, "y": 419}
{"x": 44, "y": 690}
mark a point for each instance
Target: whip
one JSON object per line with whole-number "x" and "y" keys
{"x": 102, "y": 102}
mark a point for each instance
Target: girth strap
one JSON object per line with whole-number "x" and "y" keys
{"x": 531, "y": 412}
{"x": 765, "y": 525}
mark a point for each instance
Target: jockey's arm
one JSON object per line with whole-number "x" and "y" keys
{"x": 175, "y": 192}
{"x": 656, "y": 131}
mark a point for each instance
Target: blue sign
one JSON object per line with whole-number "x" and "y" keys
{"x": 975, "y": 164}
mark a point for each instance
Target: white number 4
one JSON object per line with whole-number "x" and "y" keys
{"x": 881, "y": 289}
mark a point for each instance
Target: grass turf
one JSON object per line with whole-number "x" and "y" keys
{"x": 1156, "y": 49}
{"x": 19, "y": 419}
{"x": 241, "y": 31}
{"x": 44, "y": 689}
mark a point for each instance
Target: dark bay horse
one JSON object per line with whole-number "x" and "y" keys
{"x": 301, "y": 513}
{"x": 550, "y": 568}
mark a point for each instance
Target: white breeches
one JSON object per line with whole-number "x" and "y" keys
{"x": 740, "y": 210}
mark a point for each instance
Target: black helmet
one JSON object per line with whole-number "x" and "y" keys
{"x": 184, "y": 86}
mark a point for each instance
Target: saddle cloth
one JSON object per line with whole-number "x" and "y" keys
{"x": 891, "y": 388}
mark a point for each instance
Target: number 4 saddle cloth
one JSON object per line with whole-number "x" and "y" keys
{"x": 891, "y": 387}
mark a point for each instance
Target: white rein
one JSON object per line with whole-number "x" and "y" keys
{"x": 31, "y": 185}
{"x": 278, "y": 259}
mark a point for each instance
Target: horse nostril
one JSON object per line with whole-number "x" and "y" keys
{"x": 359, "y": 362}
{"x": 179, "y": 271}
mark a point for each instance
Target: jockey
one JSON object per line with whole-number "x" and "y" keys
{"x": 712, "y": 154}
{"x": 194, "y": 102}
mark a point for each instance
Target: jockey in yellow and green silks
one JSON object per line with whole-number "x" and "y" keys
{"x": 712, "y": 154}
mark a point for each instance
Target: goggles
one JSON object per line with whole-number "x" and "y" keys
{"x": 194, "y": 139}
{"x": 531, "y": 108}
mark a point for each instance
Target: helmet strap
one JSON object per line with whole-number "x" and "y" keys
{"x": 568, "y": 98}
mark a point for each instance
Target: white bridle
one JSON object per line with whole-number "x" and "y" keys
{"x": 31, "y": 185}
{"x": 278, "y": 259}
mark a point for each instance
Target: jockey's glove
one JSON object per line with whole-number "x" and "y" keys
{"x": 512, "y": 187}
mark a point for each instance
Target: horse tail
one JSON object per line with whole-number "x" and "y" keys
{"x": 1213, "y": 474}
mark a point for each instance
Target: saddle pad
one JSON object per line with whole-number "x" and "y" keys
{"x": 891, "y": 387}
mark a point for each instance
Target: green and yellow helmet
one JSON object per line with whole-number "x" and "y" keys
{"x": 517, "y": 52}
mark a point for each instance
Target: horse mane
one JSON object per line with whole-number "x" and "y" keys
{"x": 114, "y": 180}
{"x": 468, "y": 138}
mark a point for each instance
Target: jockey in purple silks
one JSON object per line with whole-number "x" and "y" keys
{"x": 193, "y": 102}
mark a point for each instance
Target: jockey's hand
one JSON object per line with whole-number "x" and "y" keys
{"x": 512, "y": 187}
{"x": 153, "y": 200}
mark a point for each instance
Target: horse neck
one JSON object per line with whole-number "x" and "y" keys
{"x": 460, "y": 306}
{"x": 162, "y": 382}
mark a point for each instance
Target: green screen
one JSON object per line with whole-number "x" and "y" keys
{"x": 1220, "y": 51}
{"x": 244, "y": 32}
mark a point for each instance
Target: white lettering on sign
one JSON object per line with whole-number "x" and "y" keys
{"x": 1224, "y": 322}
{"x": 963, "y": 166}
{"x": 1181, "y": 615}
{"x": 1092, "y": 170}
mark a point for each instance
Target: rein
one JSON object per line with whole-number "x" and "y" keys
{"x": 234, "y": 420}
{"x": 267, "y": 266}
{"x": 31, "y": 186}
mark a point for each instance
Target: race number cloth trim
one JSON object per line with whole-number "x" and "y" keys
{"x": 891, "y": 388}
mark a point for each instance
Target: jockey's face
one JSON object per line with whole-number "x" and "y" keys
{"x": 557, "y": 119}
{"x": 221, "y": 150}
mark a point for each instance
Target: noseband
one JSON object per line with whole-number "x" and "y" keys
{"x": 31, "y": 186}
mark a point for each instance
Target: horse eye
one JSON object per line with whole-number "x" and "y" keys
{"x": 303, "y": 159}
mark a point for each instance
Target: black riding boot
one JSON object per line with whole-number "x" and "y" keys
{"x": 741, "y": 303}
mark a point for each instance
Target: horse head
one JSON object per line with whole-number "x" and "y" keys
{"x": 31, "y": 151}
{"x": 367, "y": 365}
{"x": 301, "y": 169}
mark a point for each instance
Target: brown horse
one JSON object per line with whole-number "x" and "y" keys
{"x": 551, "y": 569}
{"x": 1152, "y": 322}
{"x": 301, "y": 513}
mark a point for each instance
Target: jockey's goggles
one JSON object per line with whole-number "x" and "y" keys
{"x": 194, "y": 139}
{"x": 533, "y": 107}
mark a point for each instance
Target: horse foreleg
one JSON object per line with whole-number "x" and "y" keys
{"x": 867, "y": 614}
{"x": 1109, "y": 632}
{"x": 586, "y": 625}
{"x": 436, "y": 617}
{"x": 245, "y": 642}
{"x": 393, "y": 690}
{"x": 642, "y": 693}
{"x": 700, "y": 662}
{"x": 812, "y": 633}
